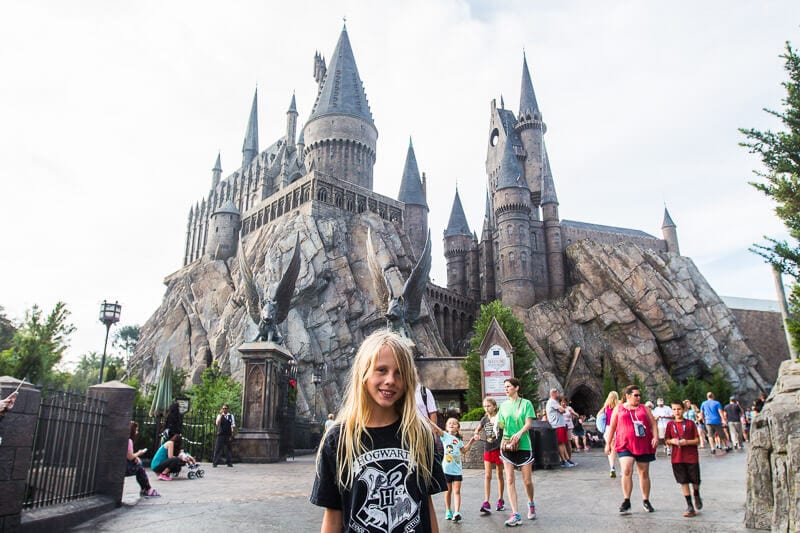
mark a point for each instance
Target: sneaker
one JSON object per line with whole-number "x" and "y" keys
{"x": 698, "y": 502}
{"x": 486, "y": 508}
{"x": 625, "y": 508}
{"x": 448, "y": 515}
{"x": 150, "y": 493}
{"x": 689, "y": 512}
{"x": 612, "y": 473}
{"x": 571, "y": 463}
{"x": 457, "y": 517}
{"x": 501, "y": 505}
{"x": 728, "y": 449}
{"x": 647, "y": 507}
{"x": 531, "y": 511}
{"x": 514, "y": 520}
{"x": 713, "y": 451}
{"x": 230, "y": 465}
{"x": 164, "y": 477}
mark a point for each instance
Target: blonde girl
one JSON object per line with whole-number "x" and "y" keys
{"x": 376, "y": 467}
{"x": 454, "y": 449}
{"x": 492, "y": 435}
{"x": 612, "y": 401}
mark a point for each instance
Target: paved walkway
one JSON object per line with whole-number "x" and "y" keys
{"x": 274, "y": 497}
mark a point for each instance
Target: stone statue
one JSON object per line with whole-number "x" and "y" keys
{"x": 401, "y": 310}
{"x": 268, "y": 312}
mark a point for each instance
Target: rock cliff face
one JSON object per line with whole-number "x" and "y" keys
{"x": 203, "y": 319}
{"x": 773, "y": 458}
{"x": 639, "y": 313}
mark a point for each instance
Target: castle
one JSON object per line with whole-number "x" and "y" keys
{"x": 327, "y": 167}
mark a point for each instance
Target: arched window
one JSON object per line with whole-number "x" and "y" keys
{"x": 322, "y": 195}
{"x": 510, "y": 230}
{"x": 523, "y": 260}
{"x": 535, "y": 239}
{"x": 512, "y": 265}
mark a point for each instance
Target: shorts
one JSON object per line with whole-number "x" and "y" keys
{"x": 517, "y": 458}
{"x": 579, "y": 432}
{"x": 493, "y": 456}
{"x": 686, "y": 473}
{"x": 644, "y": 458}
{"x": 561, "y": 435}
{"x": 450, "y": 479}
{"x": 715, "y": 429}
{"x": 661, "y": 431}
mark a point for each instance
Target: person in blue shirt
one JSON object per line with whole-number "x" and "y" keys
{"x": 713, "y": 417}
{"x": 454, "y": 448}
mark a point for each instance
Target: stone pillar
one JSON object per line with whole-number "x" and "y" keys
{"x": 109, "y": 476}
{"x": 259, "y": 437}
{"x": 17, "y": 430}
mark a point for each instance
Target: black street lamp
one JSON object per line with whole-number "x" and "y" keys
{"x": 109, "y": 314}
{"x": 316, "y": 379}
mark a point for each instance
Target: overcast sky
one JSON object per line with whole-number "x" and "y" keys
{"x": 112, "y": 113}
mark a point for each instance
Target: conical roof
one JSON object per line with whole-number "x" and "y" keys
{"x": 411, "y": 185}
{"x": 548, "y": 186}
{"x": 510, "y": 171}
{"x": 250, "y": 146}
{"x": 342, "y": 91}
{"x": 668, "y": 223}
{"x": 292, "y": 105}
{"x": 218, "y": 164}
{"x": 527, "y": 98}
{"x": 228, "y": 207}
{"x": 458, "y": 220}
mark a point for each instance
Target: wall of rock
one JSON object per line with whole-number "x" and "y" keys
{"x": 640, "y": 313}
{"x": 773, "y": 457}
{"x": 203, "y": 318}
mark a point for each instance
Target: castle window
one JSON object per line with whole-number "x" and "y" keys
{"x": 535, "y": 241}
{"x": 338, "y": 200}
{"x": 322, "y": 195}
{"x": 512, "y": 265}
{"x": 523, "y": 260}
{"x": 510, "y": 230}
{"x": 522, "y": 233}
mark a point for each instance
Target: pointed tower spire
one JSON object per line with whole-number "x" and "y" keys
{"x": 250, "y": 146}
{"x": 342, "y": 91}
{"x": 527, "y": 98}
{"x": 488, "y": 213}
{"x": 458, "y": 220}
{"x": 668, "y": 223}
{"x": 216, "y": 173}
{"x": 670, "y": 232}
{"x": 548, "y": 187}
{"x": 510, "y": 172}
{"x": 291, "y": 124}
{"x": 411, "y": 185}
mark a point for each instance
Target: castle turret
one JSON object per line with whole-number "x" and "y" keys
{"x": 340, "y": 134}
{"x": 216, "y": 173}
{"x": 474, "y": 270}
{"x": 457, "y": 243}
{"x": 250, "y": 146}
{"x": 486, "y": 256}
{"x": 412, "y": 193}
{"x": 512, "y": 215}
{"x": 670, "y": 232}
{"x": 552, "y": 232}
{"x": 531, "y": 128}
{"x": 224, "y": 231}
{"x": 291, "y": 124}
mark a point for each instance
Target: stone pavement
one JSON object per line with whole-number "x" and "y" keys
{"x": 274, "y": 497}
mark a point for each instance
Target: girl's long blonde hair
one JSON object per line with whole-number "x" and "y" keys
{"x": 612, "y": 400}
{"x": 416, "y": 436}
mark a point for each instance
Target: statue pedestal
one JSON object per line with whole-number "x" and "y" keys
{"x": 263, "y": 399}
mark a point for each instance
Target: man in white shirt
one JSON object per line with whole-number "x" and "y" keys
{"x": 663, "y": 414}
{"x": 555, "y": 415}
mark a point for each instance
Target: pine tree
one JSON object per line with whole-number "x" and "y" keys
{"x": 780, "y": 155}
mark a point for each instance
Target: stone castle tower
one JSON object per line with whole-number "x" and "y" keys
{"x": 520, "y": 256}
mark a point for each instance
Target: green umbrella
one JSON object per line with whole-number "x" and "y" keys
{"x": 163, "y": 396}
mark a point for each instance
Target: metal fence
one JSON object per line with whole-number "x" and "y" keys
{"x": 66, "y": 445}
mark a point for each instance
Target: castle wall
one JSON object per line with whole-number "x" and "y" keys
{"x": 766, "y": 337}
{"x": 571, "y": 234}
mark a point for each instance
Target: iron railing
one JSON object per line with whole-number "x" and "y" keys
{"x": 66, "y": 446}
{"x": 197, "y": 438}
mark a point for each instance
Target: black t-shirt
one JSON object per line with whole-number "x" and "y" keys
{"x": 385, "y": 495}
{"x": 734, "y": 412}
{"x": 492, "y": 434}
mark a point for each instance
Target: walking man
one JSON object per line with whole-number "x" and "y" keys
{"x": 663, "y": 415}
{"x": 555, "y": 415}
{"x": 713, "y": 416}
{"x": 733, "y": 414}
{"x": 225, "y": 426}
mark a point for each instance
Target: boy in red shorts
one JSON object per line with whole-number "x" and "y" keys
{"x": 682, "y": 435}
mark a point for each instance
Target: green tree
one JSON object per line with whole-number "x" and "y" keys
{"x": 7, "y": 330}
{"x": 87, "y": 370}
{"x": 720, "y": 386}
{"x": 523, "y": 354}
{"x": 780, "y": 154}
{"x": 125, "y": 339}
{"x": 38, "y": 345}
{"x": 214, "y": 390}
{"x": 609, "y": 383}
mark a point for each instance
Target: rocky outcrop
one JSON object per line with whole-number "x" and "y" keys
{"x": 203, "y": 318}
{"x": 773, "y": 458}
{"x": 639, "y": 313}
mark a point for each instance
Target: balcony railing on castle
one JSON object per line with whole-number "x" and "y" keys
{"x": 66, "y": 446}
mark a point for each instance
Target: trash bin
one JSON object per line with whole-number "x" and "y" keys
{"x": 545, "y": 445}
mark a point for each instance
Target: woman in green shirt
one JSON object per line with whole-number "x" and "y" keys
{"x": 515, "y": 418}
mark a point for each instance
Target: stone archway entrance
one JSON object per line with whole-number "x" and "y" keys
{"x": 585, "y": 401}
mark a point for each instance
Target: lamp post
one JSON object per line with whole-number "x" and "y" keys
{"x": 109, "y": 314}
{"x": 316, "y": 379}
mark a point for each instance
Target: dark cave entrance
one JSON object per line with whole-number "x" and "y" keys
{"x": 585, "y": 401}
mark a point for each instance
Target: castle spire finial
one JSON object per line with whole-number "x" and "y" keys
{"x": 527, "y": 98}
{"x": 411, "y": 191}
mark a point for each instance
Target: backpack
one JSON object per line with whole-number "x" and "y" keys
{"x": 601, "y": 423}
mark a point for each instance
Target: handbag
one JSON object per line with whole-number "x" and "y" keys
{"x": 511, "y": 445}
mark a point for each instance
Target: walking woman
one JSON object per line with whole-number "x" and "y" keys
{"x": 635, "y": 433}
{"x": 612, "y": 401}
{"x": 515, "y": 418}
